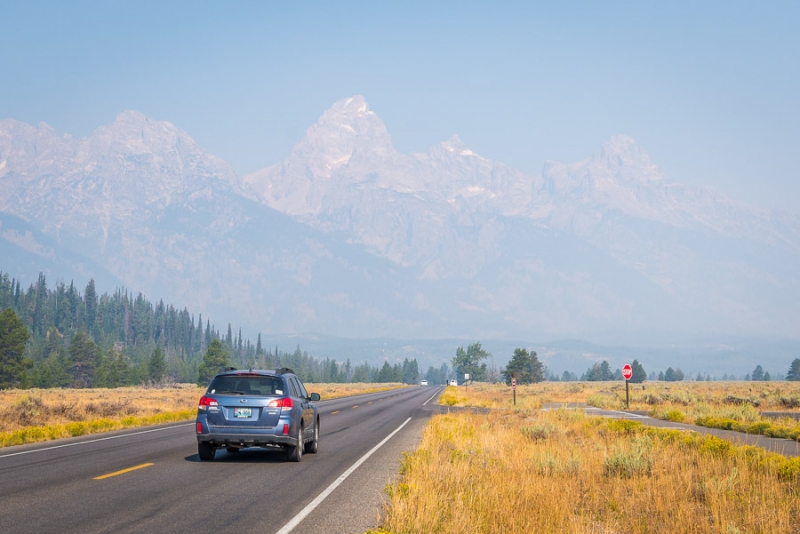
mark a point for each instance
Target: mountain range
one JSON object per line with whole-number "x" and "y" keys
{"x": 347, "y": 237}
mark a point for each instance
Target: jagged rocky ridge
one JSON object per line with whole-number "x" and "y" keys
{"x": 348, "y": 237}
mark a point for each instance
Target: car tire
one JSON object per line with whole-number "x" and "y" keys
{"x": 232, "y": 450}
{"x": 295, "y": 453}
{"x": 206, "y": 451}
{"x": 313, "y": 446}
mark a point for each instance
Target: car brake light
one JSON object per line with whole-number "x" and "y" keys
{"x": 205, "y": 402}
{"x": 285, "y": 430}
{"x": 283, "y": 402}
{"x": 199, "y": 428}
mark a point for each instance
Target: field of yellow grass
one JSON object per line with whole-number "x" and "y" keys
{"x": 729, "y": 405}
{"x": 33, "y": 415}
{"x": 564, "y": 472}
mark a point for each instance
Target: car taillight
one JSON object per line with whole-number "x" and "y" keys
{"x": 199, "y": 428}
{"x": 284, "y": 402}
{"x": 285, "y": 430}
{"x": 205, "y": 402}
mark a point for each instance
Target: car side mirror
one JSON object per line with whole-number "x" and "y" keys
{"x": 314, "y": 397}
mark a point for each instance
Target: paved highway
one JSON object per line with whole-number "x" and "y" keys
{"x": 151, "y": 480}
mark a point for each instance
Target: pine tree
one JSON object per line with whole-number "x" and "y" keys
{"x": 386, "y": 374}
{"x": 215, "y": 358}
{"x": 794, "y": 371}
{"x": 525, "y": 367}
{"x": 90, "y": 303}
{"x": 83, "y": 356}
{"x": 157, "y": 365}
{"x": 757, "y": 374}
{"x": 40, "y": 306}
{"x": 13, "y": 336}
{"x": 638, "y": 373}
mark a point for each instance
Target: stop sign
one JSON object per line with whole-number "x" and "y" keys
{"x": 627, "y": 372}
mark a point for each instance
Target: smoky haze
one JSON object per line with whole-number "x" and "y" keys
{"x": 349, "y": 238}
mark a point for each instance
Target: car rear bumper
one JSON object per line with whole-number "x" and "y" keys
{"x": 246, "y": 440}
{"x": 223, "y": 436}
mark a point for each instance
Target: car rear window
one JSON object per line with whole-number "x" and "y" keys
{"x": 246, "y": 385}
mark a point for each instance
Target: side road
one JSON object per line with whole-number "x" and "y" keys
{"x": 786, "y": 447}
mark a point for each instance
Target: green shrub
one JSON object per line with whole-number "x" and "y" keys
{"x": 790, "y": 469}
{"x": 676, "y": 416}
{"x": 539, "y": 431}
{"x": 76, "y": 429}
{"x": 715, "y": 446}
{"x": 719, "y": 422}
{"x": 637, "y": 461}
{"x": 624, "y": 426}
{"x": 761, "y": 428}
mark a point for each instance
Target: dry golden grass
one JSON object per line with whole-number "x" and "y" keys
{"x": 333, "y": 391}
{"x": 28, "y": 416}
{"x": 732, "y": 405}
{"x": 531, "y": 396}
{"x": 47, "y": 407}
{"x": 563, "y": 472}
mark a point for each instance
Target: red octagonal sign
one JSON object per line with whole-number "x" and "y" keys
{"x": 627, "y": 372}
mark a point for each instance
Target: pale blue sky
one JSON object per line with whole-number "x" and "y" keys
{"x": 711, "y": 90}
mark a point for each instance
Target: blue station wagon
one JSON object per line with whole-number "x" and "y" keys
{"x": 255, "y": 408}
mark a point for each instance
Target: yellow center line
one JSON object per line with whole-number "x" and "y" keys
{"x": 337, "y": 411}
{"x": 356, "y": 406}
{"x": 128, "y": 470}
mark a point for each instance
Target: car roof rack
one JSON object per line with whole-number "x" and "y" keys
{"x": 283, "y": 371}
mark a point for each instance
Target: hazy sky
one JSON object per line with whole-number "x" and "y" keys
{"x": 711, "y": 90}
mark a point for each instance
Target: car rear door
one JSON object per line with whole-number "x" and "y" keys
{"x": 243, "y": 403}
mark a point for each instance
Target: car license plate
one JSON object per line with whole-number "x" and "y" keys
{"x": 242, "y": 412}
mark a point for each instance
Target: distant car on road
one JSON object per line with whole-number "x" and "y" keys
{"x": 255, "y": 408}
{"x": 452, "y": 382}
{"x": 423, "y": 383}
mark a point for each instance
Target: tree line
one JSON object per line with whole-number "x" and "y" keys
{"x": 526, "y": 368}
{"x": 62, "y": 337}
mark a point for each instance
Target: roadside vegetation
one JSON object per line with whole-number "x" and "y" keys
{"x": 562, "y": 471}
{"x": 34, "y": 415}
{"x": 765, "y": 408}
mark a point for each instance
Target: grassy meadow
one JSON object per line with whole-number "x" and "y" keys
{"x": 519, "y": 469}
{"x": 727, "y": 405}
{"x": 33, "y": 415}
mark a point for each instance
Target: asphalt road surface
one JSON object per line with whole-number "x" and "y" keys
{"x": 151, "y": 480}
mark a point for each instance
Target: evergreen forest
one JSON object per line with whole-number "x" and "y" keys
{"x": 69, "y": 338}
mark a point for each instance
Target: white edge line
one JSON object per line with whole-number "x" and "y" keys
{"x": 94, "y": 440}
{"x": 432, "y": 396}
{"x": 288, "y": 527}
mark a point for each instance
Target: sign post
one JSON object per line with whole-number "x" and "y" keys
{"x": 627, "y": 373}
{"x": 514, "y": 387}
{"x": 466, "y": 380}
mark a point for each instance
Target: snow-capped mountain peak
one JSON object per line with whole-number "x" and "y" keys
{"x": 606, "y": 242}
